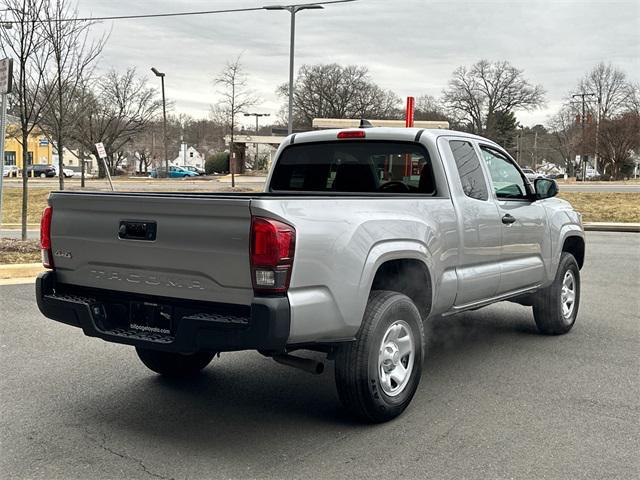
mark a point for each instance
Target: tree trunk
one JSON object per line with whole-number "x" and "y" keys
{"x": 60, "y": 123}
{"x": 25, "y": 177}
{"x": 60, "y": 160}
{"x": 82, "y": 167}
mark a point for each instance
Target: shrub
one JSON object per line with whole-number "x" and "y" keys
{"x": 217, "y": 163}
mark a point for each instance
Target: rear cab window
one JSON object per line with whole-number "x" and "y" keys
{"x": 474, "y": 184}
{"x": 380, "y": 167}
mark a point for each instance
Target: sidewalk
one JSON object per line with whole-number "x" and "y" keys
{"x": 16, "y": 233}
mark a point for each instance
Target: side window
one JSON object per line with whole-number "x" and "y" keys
{"x": 470, "y": 170}
{"x": 507, "y": 180}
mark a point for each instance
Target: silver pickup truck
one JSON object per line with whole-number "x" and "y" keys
{"x": 359, "y": 237}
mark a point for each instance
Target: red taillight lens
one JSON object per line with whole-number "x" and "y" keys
{"x": 352, "y": 134}
{"x": 45, "y": 237}
{"x": 272, "y": 249}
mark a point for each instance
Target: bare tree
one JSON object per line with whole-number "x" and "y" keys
{"x": 73, "y": 57}
{"x": 613, "y": 95}
{"x": 634, "y": 98}
{"x": 114, "y": 112}
{"x": 236, "y": 98}
{"x": 567, "y": 135}
{"x": 610, "y": 86}
{"x": 336, "y": 91}
{"x": 429, "y": 108}
{"x": 482, "y": 94}
{"x": 619, "y": 137}
{"x": 26, "y": 43}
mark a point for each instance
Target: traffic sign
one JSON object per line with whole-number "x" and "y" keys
{"x": 102, "y": 153}
{"x": 6, "y": 75}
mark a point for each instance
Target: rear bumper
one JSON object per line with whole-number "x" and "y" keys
{"x": 202, "y": 327}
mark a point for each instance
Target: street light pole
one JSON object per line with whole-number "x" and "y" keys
{"x": 257, "y": 115}
{"x": 164, "y": 121}
{"x": 292, "y": 9}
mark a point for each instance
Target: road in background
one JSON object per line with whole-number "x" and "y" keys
{"x": 600, "y": 187}
{"x": 199, "y": 184}
{"x": 251, "y": 182}
{"x": 497, "y": 400}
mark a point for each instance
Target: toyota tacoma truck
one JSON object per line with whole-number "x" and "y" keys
{"x": 358, "y": 238}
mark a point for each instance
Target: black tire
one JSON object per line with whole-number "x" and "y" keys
{"x": 548, "y": 305}
{"x": 176, "y": 365}
{"x": 358, "y": 376}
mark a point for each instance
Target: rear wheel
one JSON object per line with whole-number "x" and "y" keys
{"x": 378, "y": 374}
{"x": 43, "y": 175}
{"x": 177, "y": 365}
{"x": 555, "y": 308}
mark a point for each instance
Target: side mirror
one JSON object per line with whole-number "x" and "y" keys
{"x": 545, "y": 188}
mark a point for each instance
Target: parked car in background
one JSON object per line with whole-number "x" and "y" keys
{"x": 196, "y": 170}
{"x": 590, "y": 174}
{"x": 67, "y": 172}
{"x": 531, "y": 174}
{"x": 174, "y": 172}
{"x": 10, "y": 171}
{"x": 41, "y": 170}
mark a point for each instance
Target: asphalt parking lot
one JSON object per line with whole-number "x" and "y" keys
{"x": 496, "y": 400}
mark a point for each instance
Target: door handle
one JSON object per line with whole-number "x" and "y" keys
{"x": 508, "y": 219}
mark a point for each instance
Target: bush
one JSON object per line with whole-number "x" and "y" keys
{"x": 217, "y": 163}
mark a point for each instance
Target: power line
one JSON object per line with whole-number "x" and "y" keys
{"x": 171, "y": 14}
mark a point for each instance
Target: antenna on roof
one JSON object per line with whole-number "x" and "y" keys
{"x": 365, "y": 123}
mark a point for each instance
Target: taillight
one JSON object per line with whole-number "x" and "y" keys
{"x": 272, "y": 249}
{"x": 352, "y": 134}
{"x": 45, "y": 237}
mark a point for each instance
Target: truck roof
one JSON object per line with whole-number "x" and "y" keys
{"x": 381, "y": 133}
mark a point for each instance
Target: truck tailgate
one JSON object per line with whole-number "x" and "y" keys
{"x": 199, "y": 251}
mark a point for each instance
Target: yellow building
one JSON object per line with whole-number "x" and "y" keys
{"x": 38, "y": 146}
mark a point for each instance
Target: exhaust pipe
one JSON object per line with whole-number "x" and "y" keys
{"x": 306, "y": 364}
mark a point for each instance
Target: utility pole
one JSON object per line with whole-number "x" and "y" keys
{"x": 583, "y": 161}
{"x": 6, "y": 84}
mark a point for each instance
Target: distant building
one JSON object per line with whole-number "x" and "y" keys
{"x": 189, "y": 157}
{"x": 39, "y": 147}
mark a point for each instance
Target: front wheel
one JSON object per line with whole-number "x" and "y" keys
{"x": 378, "y": 374}
{"x": 177, "y": 365}
{"x": 555, "y": 308}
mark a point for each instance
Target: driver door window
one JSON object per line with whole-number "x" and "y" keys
{"x": 508, "y": 182}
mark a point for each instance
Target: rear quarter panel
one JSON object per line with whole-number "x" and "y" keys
{"x": 340, "y": 244}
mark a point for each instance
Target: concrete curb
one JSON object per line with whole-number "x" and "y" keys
{"x": 20, "y": 270}
{"x": 611, "y": 227}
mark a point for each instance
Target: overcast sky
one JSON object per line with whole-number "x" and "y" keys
{"x": 409, "y": 46}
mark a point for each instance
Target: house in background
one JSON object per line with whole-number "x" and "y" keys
{"x": 189, "y": 157}
{"x": 39, "y": 148}
{"x": 72, "y": 161}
